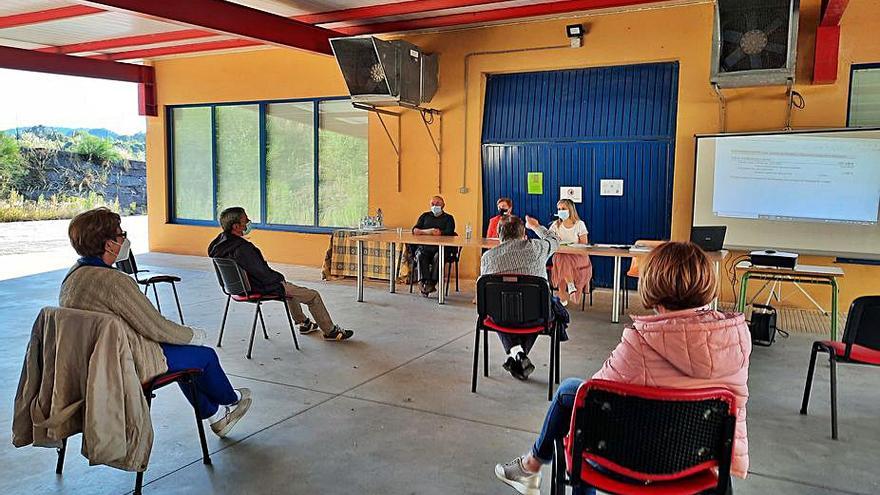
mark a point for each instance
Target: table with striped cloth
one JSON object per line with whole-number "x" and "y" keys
{"x": 341, "y": 258}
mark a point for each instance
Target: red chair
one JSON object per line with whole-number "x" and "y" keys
{"x": 861, "y": 345}
{"x": 514, "y": 304}
{"x": 235, "y": 284}
{"x": 628, "y": 439}
{"x": 184, "y": 377}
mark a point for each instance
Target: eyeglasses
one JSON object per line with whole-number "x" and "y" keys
{"x": 122, "y": 234}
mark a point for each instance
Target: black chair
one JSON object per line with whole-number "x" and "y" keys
{"x": 186, "y": 377}
{"x": 130, "y": 267}
{"x": 861, "y": 345}
{"x": 647, "y": 441}
{"x": 453, "y": 256}
{"x": 514, "y": 304}
{"x": 235, "y": 284}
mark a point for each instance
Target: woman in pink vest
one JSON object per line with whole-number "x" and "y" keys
{"x": 685, "y": 345}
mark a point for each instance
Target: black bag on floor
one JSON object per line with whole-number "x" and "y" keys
{"x": 762, "y": 325}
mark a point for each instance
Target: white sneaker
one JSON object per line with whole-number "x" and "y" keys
{"x": 234, "y": 412}
{"x": 515, "y": 475}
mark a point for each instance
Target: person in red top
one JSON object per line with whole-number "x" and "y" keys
{"x": 505, "y": 207}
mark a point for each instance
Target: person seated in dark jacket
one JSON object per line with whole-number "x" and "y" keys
{"x": 434, "y": 222}
{"x": 231, "y": 244}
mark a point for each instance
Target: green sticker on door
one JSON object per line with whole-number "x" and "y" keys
{"x": 536, "y": 182}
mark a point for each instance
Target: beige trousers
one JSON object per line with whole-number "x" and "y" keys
{"x": 297, "y": 296}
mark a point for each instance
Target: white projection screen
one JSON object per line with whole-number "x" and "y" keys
{"x": 810, "y": 192}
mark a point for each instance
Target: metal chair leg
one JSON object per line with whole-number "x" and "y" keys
{"x": 253, "y": 331}
{"x": 223, "y": 325}
{"x": 194, "y": 390}
{"x": 485, "y": 352}
{"x": 476, "y": 360}
{"x": 139, "y": 479}
{"x": 59, "y": 466}
{"x": 176, "y": 300}
{"x": 146, "y": 288}
{"x": 809, "y": 385}
{"x": 290, "y": 321}
{"x": 551, "y": 372}
{"x": 263, "y": 324}
{"x": 456, "y": 275}
{"x": 558, "y": 360}
{"x": 156, "y": 295}
{"x": 833, "y": 363}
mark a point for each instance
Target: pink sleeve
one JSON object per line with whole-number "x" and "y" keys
{"x": 624, "y": 364}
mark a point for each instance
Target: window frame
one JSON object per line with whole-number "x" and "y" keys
{"x": 852, "y": 70}
{"x": 315, "y": 228}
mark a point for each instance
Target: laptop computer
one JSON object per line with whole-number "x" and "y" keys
{"x": 709, "y": 238}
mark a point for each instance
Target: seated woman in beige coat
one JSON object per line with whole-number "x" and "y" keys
{"x": 157, "y": 344}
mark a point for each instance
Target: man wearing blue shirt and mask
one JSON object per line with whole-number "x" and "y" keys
{"x": 264, "y": 280}
{"x": 433, "y": 222}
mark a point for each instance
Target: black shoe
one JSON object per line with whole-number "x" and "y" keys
{"x": 525, "y": 364}
{"x": 423, "y": 288}
{"x": 431, "y": 287}
{"x": 513, "y": 367}
{"x": 338, "y": 334}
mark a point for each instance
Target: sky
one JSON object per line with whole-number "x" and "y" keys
{"x": 33, "y": 98}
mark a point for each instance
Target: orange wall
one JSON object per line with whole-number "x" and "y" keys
{"x": 673, "y": 33}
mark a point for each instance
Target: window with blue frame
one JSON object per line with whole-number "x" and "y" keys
{"x": 864, "y": 96}
{"x": 297, "y": 165}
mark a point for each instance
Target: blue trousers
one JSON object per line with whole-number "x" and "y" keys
{"x": 214, "y": 388}
{"x": 556, "y": 425}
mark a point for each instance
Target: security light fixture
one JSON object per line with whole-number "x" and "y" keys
{"x": 575, "y": 34}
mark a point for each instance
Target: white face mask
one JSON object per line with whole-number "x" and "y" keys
{"x": 562, "y": 214}
{"x": 436, "y": 210}
{"x": 124, "y": 249}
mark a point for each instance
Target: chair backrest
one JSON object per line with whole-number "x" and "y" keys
{"x": 128, "y": 265}
{"x": 863, "y": 323}
{"x": 231, "y": 277}
{"x": 514, "y": 300}
{"x": 634, "y": 266}
{"x": 652, "y": 434}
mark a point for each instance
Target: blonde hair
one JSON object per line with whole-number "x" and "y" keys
{"x": 677, "y": 275}
{"x": 572, "y": 210}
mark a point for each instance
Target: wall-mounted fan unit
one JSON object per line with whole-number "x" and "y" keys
{"x": 755, "y": 42}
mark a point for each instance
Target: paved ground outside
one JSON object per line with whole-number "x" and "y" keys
{"x": 36, "y": 247}
{"x": 391, "y": 411}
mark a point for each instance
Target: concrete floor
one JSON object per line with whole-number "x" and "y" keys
{"x": 390, "y": 412}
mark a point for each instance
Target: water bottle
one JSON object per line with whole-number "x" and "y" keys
{"x": 468, "y": 232}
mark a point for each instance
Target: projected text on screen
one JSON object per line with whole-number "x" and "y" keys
{"x": 806, "y": 178}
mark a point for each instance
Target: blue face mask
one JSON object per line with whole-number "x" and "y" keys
{"x": 562, "y": 214}
{"x": 247, "y": 229}
{"x": 436, "y": 210}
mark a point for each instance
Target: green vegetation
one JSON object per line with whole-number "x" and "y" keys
{"x": 94, "y": 149}
{"x": 15, "y": 208}
{"x": 12, "y": 167}
{"x": 60, "y": 164}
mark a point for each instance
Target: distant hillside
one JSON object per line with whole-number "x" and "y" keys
{"x": 50, "y": 131}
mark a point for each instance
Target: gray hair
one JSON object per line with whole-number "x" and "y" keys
{"x": 230, "y": 217}
{"x": 511, "y": 228}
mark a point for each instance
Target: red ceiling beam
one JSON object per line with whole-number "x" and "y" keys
{"x": 370, "y": 12}
{"x": 16, "y": 58}
{"x": 390, "y": 9}
{"x": 229, "y": 18}
{"x": 827, "y": 52}
{"x": 28, "y": 18}
{"x": 140, "y": 39}
{"x": 396, "y": 26}
{"x": 178, "y": 49}
{"x": 832, "y": 11}
{"x": 490, "y": 16}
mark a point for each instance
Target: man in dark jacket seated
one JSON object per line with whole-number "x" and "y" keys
{"x": 434, "y": 222}
{"x": 264, "y": 280}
